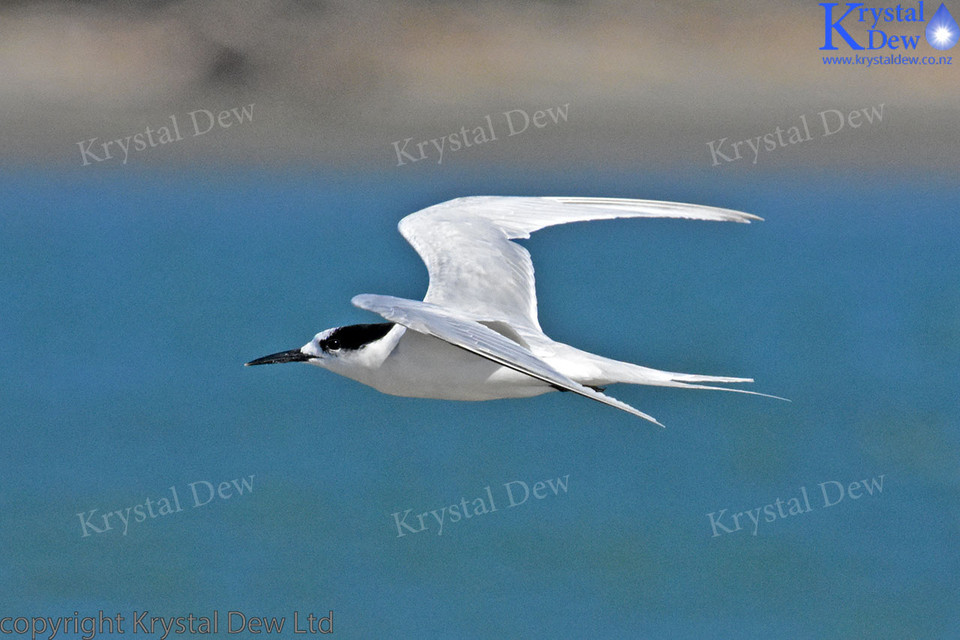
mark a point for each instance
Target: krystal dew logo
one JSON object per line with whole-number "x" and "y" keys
{"x": 941, "y": 31}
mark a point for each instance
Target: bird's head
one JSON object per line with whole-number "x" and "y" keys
{"x": 336, "y": 348}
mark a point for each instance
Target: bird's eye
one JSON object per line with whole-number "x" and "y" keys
{"x": 331, "y": 345}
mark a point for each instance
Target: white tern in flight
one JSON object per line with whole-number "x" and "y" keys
{"x": 476, "y": 335}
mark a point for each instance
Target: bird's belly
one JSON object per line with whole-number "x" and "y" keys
{"x": 421, "y": 366}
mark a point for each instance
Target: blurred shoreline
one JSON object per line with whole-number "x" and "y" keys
{"x": 337, "y": 83}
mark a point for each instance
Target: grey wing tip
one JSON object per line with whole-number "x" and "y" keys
{"x": 654, "y": 421}
{"x": 741, "y": 216}
{"x": 641, "y": 414}
{"x": 363, "y": 300}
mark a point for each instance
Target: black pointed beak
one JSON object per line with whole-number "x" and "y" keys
{"x": 294, "y": 355}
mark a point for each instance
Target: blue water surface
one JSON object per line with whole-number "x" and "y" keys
{"x": 131, "y": 301}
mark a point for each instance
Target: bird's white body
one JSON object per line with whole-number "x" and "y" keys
{"x": 411, "y": 364}
{"x": 476, "y": 335}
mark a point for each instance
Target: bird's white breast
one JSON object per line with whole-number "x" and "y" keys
{"x": 407, "y": 363}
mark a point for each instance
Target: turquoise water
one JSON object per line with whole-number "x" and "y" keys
{"x": 132, "y": 300}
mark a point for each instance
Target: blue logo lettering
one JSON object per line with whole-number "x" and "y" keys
{"x": 830, "y": 25}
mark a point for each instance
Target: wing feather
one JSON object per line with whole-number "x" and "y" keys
{"x": 476, "y": 338}
{"x": 474, "y": 267}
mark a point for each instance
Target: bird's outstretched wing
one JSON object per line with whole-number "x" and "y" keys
{"x": 474, "y": 267}
{"x": 476, "y": 338}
